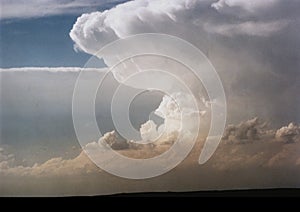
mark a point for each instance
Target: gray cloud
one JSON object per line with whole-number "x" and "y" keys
{"x": 251, "y": 28}
{"x": 246, "y": 131}
{"x": 246, "y": 6}
{"x": 254, "y": 129}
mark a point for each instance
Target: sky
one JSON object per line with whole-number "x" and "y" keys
{"x": 254, "y": 47}
{"x": 31, "y": 38}
{"x": 39, "y": 42}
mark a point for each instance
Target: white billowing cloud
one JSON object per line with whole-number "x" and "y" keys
{"x": 288, "y": 134}
{"x": 179, "y": 115}
{"x": 32, "y": 8}
{"x": 263, "y": 29}
{"x": 177, "y": 17}
{"x": 114, "y": 141}
{"x": 92, "y": 31}
{"x": 164, "y": 134}
{"x": 174, "y": 108}
{"x": 148, "y": 131}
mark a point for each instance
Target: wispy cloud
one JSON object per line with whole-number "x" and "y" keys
{"x": 263, "y": 29}
{"x": 50, "y": 69}
{"x": 31, "y": 8}
{"x": 250, "y": 6}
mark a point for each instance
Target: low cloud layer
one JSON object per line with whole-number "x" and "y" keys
{"x": 264, "y": 162}
{"x": 250, "y": 145}
{"x": 55, "y": 167}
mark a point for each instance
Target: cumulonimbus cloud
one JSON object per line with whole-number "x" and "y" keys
{"x": 230, "y": 33}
